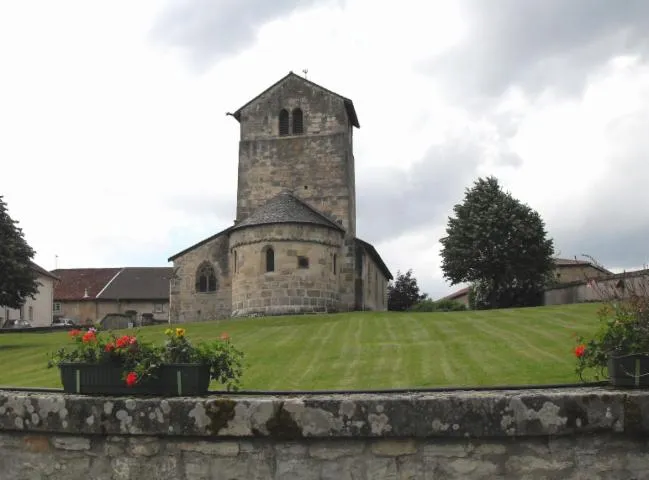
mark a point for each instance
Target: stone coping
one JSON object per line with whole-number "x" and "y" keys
{"x": 464, "y": 414}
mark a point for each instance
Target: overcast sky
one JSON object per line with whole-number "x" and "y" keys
{"x": 115, "y": 149}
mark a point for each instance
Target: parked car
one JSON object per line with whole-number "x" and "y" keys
{"x": 63, "y": 322}
{"x": 17, "y": 324}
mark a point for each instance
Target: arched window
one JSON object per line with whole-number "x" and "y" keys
{"x": 235, "y": 261}
{"x": 283, "y": 122}
{"x": 335, "y": 259}
{"x": 298, "y": 122}
{"x": 205, "y": 278}
{"x": 270, "y": 259}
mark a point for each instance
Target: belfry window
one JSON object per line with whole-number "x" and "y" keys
{"x": 298, "y": 122}
{"x": 205, "y": 278}
{"x": 283, "y": 122}
{"x": 270, "y": 259}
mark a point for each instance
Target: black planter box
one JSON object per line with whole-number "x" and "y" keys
{"x": 106, "y": 379}
{"x": 629, "y": 370}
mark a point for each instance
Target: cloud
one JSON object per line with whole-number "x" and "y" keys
{"x": 209, "y": 30}
{"x": 539, "y": 44}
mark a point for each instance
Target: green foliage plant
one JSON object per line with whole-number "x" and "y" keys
{"x": 139, "y": 359}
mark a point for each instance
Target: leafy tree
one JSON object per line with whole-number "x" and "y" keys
{"x": 404, "y": 292}
{"x": 499, "y": 245}
{"x": 17, "y": 279}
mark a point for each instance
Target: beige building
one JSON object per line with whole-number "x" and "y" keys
{"x": 293, "y": 246}
{"x": 566, "y": 271}
{"x": 88, "y": 295}
{"x": 38, "y": 310}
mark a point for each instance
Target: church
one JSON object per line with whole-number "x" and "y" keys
{"x": 293, "y": 246}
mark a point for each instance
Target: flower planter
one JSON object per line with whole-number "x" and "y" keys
{"x": 629, "y": 370}
{"x": 106, "y": 379}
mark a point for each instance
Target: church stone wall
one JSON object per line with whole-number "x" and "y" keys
{"x": 323, "y": 112}
{"x": 374, "y": 285}
{"x": 288, "y": 289}
{"x": 187, "y": 305}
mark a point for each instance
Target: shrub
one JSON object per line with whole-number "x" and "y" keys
{"x": 444, "y": 305}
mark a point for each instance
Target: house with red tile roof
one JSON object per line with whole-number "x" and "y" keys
{"x": 38, "y": 310}
{"x": 87, "y": 295}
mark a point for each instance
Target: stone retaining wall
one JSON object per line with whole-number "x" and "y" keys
{"x": 584, "y": 433}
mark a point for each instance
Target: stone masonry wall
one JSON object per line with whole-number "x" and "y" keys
{"x": 188, "y": 305}
{"x": 288, "y": 289}
{"x": 586, "y": 433}
{"x": 374, "y": 286}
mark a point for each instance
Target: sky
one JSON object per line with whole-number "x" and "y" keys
{"x": 115, "y": 149}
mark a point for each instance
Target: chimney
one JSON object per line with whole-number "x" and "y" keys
{"x": 85, "y": 293}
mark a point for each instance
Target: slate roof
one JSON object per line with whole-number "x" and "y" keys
{"x": 349, "y": 105}
{"x": 369, "y": 248}
{"x": 139, "y": 283}
{"x": 74, "y": 282}
{"x": 286, "y": 208}
{"x": 128, "y": 283}
{"x": 196, "y": 245}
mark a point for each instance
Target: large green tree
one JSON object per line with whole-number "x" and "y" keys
{"x": 499, "y": 245}
{"x": 403, "y": 293}
{"x": 17, "y": 278}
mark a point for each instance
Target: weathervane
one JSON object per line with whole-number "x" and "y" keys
{"x": 305, "y": 71}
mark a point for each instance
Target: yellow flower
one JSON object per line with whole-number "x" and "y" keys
{"x": 180, "y": 332}
{"x": 169, "y": 331}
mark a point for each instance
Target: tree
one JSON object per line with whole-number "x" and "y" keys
{"x": 499, "y": 245}
{"x": 17, "y": 278}
{"x": 404, "y": 292}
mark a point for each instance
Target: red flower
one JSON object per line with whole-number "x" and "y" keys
{"x": 131, "y": 379}
{"x": 132, "y": 340}
{"x": 122, "y": 341}
{"x": 109, "y": 347}
{"x": 89, "y": 337}
{"x": 74, "y": 333}
{"x": 580, "y": 350}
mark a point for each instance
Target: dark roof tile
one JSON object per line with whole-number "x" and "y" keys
{"x": 286, "y": 208}
{"x": 139, "y": 283}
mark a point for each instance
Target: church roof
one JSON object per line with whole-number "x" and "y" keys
{"x": 286, "y": 208}
{"x": 371, "y": 251}
{"x": 349, "y": 105}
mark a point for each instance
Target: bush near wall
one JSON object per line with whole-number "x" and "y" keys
{"x": 444, "y": 305}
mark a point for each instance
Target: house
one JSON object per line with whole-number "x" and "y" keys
{"x": 38, "y": 310}
{"x": 570, "y": 270}
{"x": 87, "y": 295}
{"x": 602, "y": 288}
{"x": 566, "y": 271}
{"x": 293, "y": 246}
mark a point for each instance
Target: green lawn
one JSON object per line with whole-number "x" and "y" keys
{"x": 366, "y": 350}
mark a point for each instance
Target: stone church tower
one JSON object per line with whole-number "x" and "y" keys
{"x": 293, "y": 246}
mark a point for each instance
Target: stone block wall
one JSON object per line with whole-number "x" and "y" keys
{"x": 288, "y": 289}
{"x": 561, "y": 433}
{"x": 188, "y": 305}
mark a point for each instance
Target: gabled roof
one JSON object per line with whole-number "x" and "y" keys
{"x": 196, "y": 245}
{"x": 128, "y": 283}
{"x": 286, "y": 208}
{"x": 457, "y": 294}
{"x": 349, "y": 105}
{"x": 139, "y": 283}
{"x": 369, "y": 248}
{"x": 41, "y": 271}
{"x": 76, "y": 282}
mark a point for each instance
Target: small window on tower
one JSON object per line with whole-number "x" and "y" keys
{"x": 283, "y": 122}
{"x": 302, "y": 262}
{"x": 298, "y": 124}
